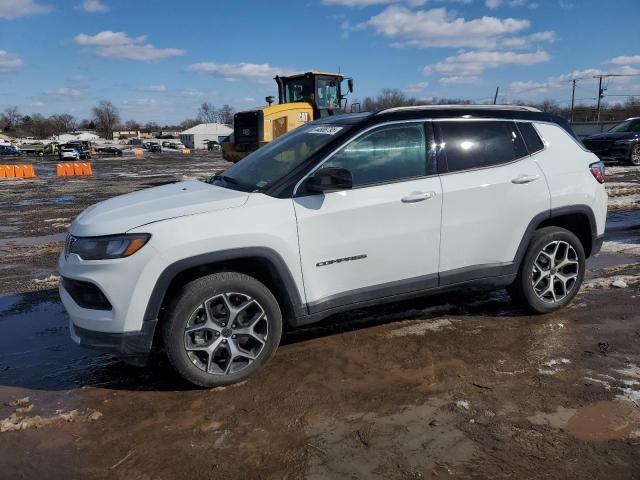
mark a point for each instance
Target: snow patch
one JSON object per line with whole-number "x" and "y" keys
{"x": 631, "y": 370}
{"x": 464, "y": 404}
{"x": 606, "y": 385}
{"x": 422, "y": 327}
{"x": 613, "y": 281}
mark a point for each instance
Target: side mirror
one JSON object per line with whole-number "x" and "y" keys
{"x": 350, "y": 85}
{"x": 329, "y": 180}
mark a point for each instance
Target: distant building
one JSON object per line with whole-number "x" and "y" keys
{"x": 68, "y": 137}
{"x": 124, "y": 134}
{"x": 198, "y": 136}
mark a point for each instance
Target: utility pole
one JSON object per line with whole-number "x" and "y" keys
{"x": 495, "y": 98}
{"x": 600, "y": 95}
{"x": 573, "y": 98}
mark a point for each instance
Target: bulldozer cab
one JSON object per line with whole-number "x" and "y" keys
{"x": 323, "y": 91}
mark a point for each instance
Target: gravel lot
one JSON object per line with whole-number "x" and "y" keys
{"x": 453, "y": 386}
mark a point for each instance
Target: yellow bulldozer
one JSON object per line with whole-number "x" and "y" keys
{"x": 301, "y": 99}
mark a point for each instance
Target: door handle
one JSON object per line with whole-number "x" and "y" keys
{"x": 520, "y": 179}
{"x": 418, "y": 197}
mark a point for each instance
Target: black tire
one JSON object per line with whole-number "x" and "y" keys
{"x": 634, "y": 155}
{"x": 191, "y": 297}
{"x": 522, "y": 290}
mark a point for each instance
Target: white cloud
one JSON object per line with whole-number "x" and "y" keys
{"x": 93, "y": 6}
{"x": 120, "y": 45}
{"x": 625, "y": 60}
{"x": 260, "y": 72}
{"x": 248, "y": 100}
{"x": 527, "y": 41}
{"x": 190, "y": 92}
{"x": 11, "y": 9}
{"x": 564, "y": 80}
{"x": 9, "y": 61}
{"x": 141, "y": 102}
{"x": 77, "y": 78}
{"x": 368, "y": 3}
{"x": 416, "y": 87}
{"x": 153, "y": 88}
{"x": 440, "y": 28}
{"x": 37, "y": 104}
{"x": 492, "y": 3}
{"x": 473, "y": 63}
{"x": 458, "y": 80}
{"x": 66, "y": 92}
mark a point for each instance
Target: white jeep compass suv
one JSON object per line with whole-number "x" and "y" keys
{"x": 341, "y": 213}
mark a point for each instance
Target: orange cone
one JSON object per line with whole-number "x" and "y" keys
{"x": 29, "y": 172}
{"x": 77, "y": 169}
{"x": 68, "y": 169}
{"x": 86, "y": 169}
{"x": 19, "y": 170}
{"x": 60, "y": 170}
{"x": 2, "y": 174}
{"x": 9, "y": 171}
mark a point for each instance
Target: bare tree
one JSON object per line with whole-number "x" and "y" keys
{"x": 10, "y": 118}
{"x": 132, "y": 126}
{"x": 64, "y": 122}
{"x": 188, "y": 123}
{"x": 225, "y": 114}
{"x": 106, "y": 118}
{"x": 207, "y": 113}
{"x": 151, "y": 127}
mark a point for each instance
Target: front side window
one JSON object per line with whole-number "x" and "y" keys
{"x": 298, "y": 90}
{"x": 388, "y": 153}
{"x": 277, "y": 159}
{"x": 478, "y": 144}
{"x": 327, "y": 95}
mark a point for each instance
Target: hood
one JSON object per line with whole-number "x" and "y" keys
{"x": 613, "y": 136}
{"x": 120, "y": 214}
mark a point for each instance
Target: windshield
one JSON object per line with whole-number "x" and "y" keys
{"x": 628, "y": 126}
{"x": 273, "y": 161}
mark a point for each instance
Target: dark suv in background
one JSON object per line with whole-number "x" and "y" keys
{"x": 621, "y": 143}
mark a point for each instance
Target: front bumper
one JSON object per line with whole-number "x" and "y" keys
{"x": 133, "y": 347}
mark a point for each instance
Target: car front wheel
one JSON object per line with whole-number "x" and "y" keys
{"x": 221, "y": 329}
{"x": 551, "y": 272}
{"x": 634, "y": 156}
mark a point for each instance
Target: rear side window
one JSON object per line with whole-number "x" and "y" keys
{"x": 386, "y": 154}
{"x": 477, "y": 144}
{"x": 530, "y": 137}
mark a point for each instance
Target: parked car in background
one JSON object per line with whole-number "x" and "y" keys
{"x": 82, "y": 147}
{"x": 155, "y": 147}
{"x": 110, "y": 150}
{"x": 9, "y": 150}
{"x": 177, "y": 145}
{"x": 621, "y": 143}
{"x": 67, "y": 153}
{"x": 166, "y": 144}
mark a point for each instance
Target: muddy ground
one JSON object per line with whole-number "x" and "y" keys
{"x": 453, "y": 386}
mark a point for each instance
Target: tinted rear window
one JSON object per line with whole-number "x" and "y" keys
{"x": 477, "y": 144}
{"x": 530, "y": 137}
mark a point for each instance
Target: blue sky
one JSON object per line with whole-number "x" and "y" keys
{"x": 158, "y": 60}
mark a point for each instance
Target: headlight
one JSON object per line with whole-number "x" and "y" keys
{"x": 108, "y": 247}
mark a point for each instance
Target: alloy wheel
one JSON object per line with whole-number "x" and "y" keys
{"x": 555, "y": 271}
{"x": 226, "y": 333}
{"x": 635, "y": 155}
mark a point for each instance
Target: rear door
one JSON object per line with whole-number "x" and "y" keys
{"x": 382, "y": 237}
{"x": 492, "y": 188}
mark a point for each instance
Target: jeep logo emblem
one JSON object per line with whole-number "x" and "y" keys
{"x": 246, "y": 131}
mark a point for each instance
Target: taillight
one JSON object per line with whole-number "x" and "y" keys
{"x": 597, "y": 170}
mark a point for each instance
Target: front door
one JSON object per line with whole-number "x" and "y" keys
{"x": 382, "y": 237}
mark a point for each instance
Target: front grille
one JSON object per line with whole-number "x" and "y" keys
{"x": 598, "y": 146}
{"x": 247, "y": 129}
{"x": 86, "y": 294}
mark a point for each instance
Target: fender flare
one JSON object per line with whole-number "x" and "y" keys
{"x": 163, "y": 282}
{"x": 549, "y": 215}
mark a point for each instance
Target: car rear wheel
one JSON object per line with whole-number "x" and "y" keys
{"x": 222, "y": 329}
{"x": 551, "y": 272}
{"x": 634, "y": 156}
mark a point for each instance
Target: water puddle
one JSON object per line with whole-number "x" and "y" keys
{"x": 606, "y": 420}
{"x": 605, "y": 260}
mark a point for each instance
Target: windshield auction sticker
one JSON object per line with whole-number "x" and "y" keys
{"x": 326, "y": 130}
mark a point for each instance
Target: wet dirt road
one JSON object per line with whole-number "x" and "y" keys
{"x": 453, "y": 386}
